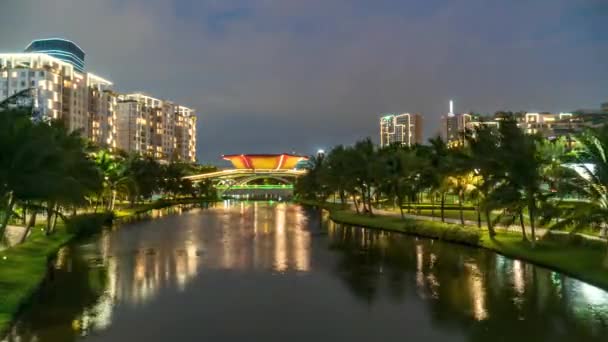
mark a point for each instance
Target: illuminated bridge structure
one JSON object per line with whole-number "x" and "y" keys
{"x": 249, "y": 168}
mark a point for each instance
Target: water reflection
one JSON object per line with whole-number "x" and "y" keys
{"x": 288, "y": 264}
{"x": 492, "y": 297}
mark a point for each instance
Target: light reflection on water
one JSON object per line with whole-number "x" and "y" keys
{"x": 456, "y": 291}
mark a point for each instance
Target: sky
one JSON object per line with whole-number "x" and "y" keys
{"x": 271, "y": 76}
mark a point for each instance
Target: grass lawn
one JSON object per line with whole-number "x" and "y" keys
{"x": 581, "y": 262}
{"x": 22, "y": 269}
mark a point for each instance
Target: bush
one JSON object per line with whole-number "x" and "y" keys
{"x": 88, "y": 224}
{"x": 572, "y": 239}
{"x": 446, "y": 232}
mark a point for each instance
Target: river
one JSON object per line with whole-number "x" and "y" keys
{"x": 262, "y": 271}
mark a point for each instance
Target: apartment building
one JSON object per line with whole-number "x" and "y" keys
{"x": 53, "y": 71}
{"x": 156, "y": 128}
{"x": 405, "y": 129}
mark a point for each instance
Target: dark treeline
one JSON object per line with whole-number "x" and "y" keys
{"x": 507, "y": 176}
{"x": 46, "y": 169}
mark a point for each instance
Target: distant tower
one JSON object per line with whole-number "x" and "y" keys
{"x": 451, "y": 112}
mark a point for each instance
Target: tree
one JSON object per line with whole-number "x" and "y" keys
{"x": 116, "y": 178}
{"x": 523, "y": 170}
{"x": 591, "y": 183}
{"x": 484, "y": 159}
{"x": 439, "y": 168}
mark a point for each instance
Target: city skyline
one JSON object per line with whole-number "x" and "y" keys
{"x": 247, "y": 66}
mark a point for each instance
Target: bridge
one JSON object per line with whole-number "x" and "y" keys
{"x": 256, "y": 174}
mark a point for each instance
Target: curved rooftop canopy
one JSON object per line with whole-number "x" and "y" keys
{"x": 264, "y": 161}
{"x": 61, "y": 49}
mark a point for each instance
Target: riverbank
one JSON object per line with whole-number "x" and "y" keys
{"x": 581, "y": 261}
{"x": 23, "y": 268}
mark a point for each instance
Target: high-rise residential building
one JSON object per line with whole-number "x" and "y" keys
{"x": 102, "y": 110}
{"x": 60, "y": 91}
{"x": 53, "y": 73}
{"x": 185, "y": 133}
{"x": 405, "y": 129}
{"x": 43, "y": 73}
{"x": 604, "y": 107}
{"x": 453, "y": 125}
{"x": 155, "y": 127}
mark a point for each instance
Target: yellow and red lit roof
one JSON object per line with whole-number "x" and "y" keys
{"x": 264, "y": 161}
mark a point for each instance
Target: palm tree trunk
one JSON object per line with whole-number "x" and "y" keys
{"x": 433, "y": 204}
{"x": 478, "y": 214}
{"x": 31, "y": 223}
{"x": 10, "y": 203}
{"x": 460, "y": 200}
{"x": 24, "y": 217}
{"x": 400, "y": 208}
{"x": 443, "y": 207}
{"x": 55, "y": 220}
{"x": 532, "y": 213}
{"x": 113, "y": 200}
{"x": 369, "y": 198}
{"x": 355, "y": 203}
{"x": 523, "y": 226}
{"x": 49, "y": 219}
{"x": 491, "y": 230}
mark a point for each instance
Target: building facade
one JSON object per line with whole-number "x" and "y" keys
{"x": 53, "y": 72}
{"x": 404, "y": 129}
{"x": 157, "y": 128}
{"x": 454, "y": 125}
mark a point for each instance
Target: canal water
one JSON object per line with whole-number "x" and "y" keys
{"x": 263, "y": 271}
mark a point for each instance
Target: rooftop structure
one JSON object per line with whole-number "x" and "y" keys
{"x": 264, "y": 161}
{"x": 59, "y": 48}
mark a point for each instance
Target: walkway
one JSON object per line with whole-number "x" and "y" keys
{"x": 512, "y": 228}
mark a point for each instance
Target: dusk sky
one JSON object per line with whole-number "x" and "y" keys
{"x": 298, "y": 75}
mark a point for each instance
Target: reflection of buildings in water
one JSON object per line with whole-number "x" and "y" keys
{"x": 420, "y": 270}
{"x": 280, "y": 240}
{"x": 477, "y": 291}
{"x": 137, "y": 278}
{"x": 519, "y": 281}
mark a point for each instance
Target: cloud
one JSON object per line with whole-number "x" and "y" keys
{"x": 282, "y": 75}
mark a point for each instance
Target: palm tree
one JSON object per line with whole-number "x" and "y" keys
{"x": 591, "y": 183}
{"x": 116, "y": 178}
{"x": 28, "y": 161}
{"x": 484, "y": 159}
{"x": 438, "y": 170}
{"x": 523, "y": 170}
{"x": 462, "y": 184}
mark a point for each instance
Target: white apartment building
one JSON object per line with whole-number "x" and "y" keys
{"x": 155, "y": 127}
{"x": 405, "y": 129}
{"x": 102, "y": 109}
{"x": 46, "y": 74}
{"x": 60, "y": 92}
{"x": 60, "y": 88}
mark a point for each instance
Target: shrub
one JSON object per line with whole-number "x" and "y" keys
{"x": 572, "y": 239}
{"x": 442, "y": 231}
{"x": 88, "y": 224}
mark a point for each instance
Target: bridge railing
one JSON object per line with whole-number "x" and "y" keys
{"x": 243, "y": 172}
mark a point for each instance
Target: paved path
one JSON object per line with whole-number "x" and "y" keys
{"x": 512, "y": 228}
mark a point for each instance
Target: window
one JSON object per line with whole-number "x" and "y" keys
{"x": 41, "y": 73}
{"x": 32, "y": 73}
{"x": 33, "y": 83}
